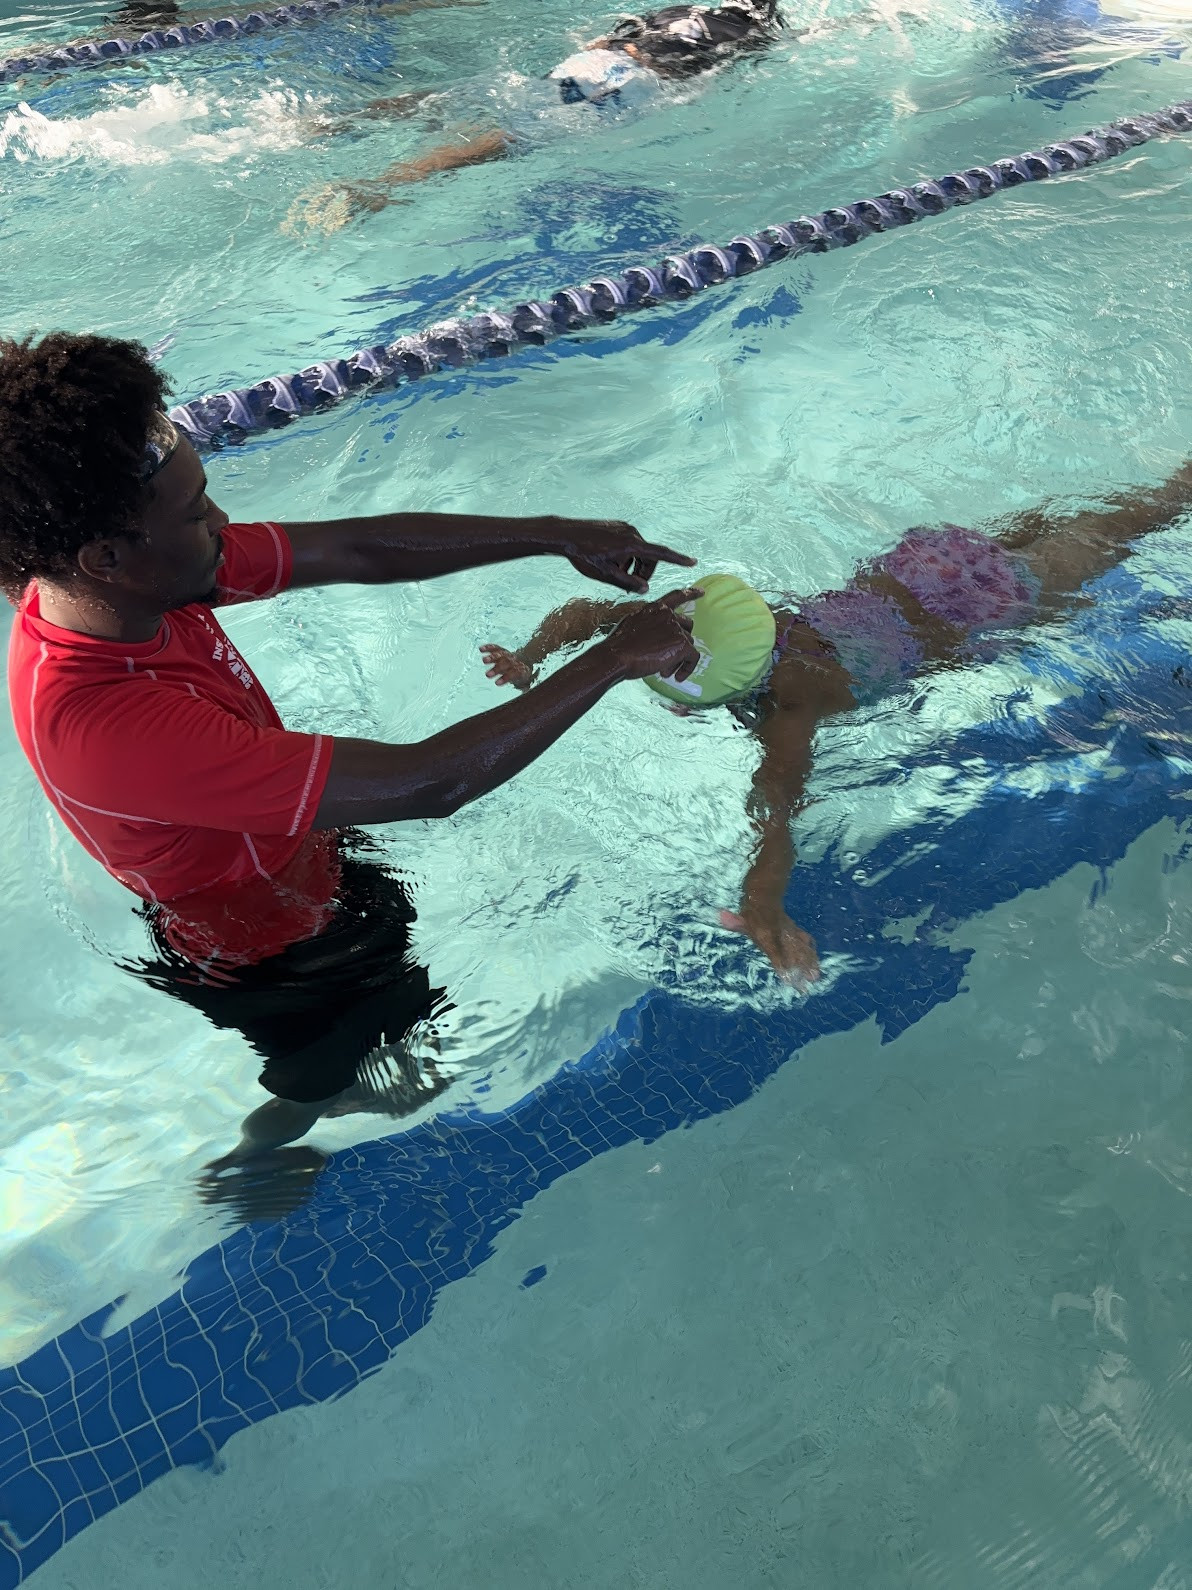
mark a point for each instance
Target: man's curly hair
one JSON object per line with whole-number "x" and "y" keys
{"x": 74, "y": 415}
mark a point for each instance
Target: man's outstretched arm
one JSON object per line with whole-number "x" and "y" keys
{"x": 420, "y": 546}
{"x": 370, "y": 782}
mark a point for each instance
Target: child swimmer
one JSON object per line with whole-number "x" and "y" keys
{"x": 783, "y": 670}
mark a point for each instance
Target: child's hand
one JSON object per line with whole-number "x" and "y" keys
{"x": 506, "y": 667}
{"x": 789, "y": 950}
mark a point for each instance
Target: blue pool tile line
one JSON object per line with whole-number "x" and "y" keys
{"x": 301, "y": 1310}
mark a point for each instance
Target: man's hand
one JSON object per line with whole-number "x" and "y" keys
{"x": 607, "y": 550}
{"x": 370, "y": 782}
{"x": 789, "y": 950}
{"x": 654, "y": 639}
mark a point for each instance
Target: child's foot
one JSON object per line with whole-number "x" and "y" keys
{"x": 506, "y": 667}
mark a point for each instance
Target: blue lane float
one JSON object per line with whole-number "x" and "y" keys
{"x": 230, "y": 417}
{"x": 179, "y": 37}
{"x": 297, "y": 1311}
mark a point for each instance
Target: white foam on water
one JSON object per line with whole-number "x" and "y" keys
{"x": 165, "y": 122}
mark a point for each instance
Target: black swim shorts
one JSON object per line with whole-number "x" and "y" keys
{"x": 319, "y": 1009}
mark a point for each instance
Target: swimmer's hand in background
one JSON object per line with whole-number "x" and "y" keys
{"x": 613, "y": 552}
{"x": 790, "y": 951}
{"x": 331, "y": 207}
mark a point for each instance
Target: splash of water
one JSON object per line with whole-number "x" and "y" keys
{"x": 163, "y": 123}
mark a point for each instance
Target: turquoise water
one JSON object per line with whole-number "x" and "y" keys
{"x": 985, "y": 1216}
{"x": 914, "y": 1316}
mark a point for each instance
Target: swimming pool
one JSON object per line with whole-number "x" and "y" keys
{"x": 907, "y": 1310}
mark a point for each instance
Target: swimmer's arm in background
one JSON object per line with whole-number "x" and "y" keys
{"x": 393, "y": 107}
{"x": 475, "y": 151}
{"x": 570, "y": 625}
{"x": 329, "y": 208}
{"x": 777, "y": 796}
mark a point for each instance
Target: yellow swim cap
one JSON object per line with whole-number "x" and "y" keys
{"x": 733, "y": 630}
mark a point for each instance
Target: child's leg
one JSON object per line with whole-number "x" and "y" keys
{"x": 1065, "y": 554}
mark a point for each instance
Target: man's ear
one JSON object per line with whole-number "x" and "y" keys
{"x": 101, "y": 560}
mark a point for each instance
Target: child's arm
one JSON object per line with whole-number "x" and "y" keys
{"x": 569, "y": 625}
{"x": 779, "y": 792}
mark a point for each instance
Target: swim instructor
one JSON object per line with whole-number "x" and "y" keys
{"x": 166, "y": 760}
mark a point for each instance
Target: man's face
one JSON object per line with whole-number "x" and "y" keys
{"x": 177, "y": 557}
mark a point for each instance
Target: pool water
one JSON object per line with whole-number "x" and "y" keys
{"x": 910, "y": 1310}
{"x": 914, "y": 1315}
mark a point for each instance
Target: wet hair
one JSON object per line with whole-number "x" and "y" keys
{"x": 145, "y": 12}
{"x": 74, "y": 415}
{"x": 733, "y": 27}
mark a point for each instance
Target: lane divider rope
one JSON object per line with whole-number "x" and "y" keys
{"x": 177, "y": 37}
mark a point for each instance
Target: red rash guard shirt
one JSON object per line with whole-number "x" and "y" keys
{"x": 170, "y": 765}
